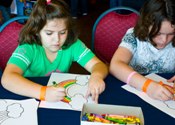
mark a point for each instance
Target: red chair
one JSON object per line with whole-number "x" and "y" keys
{"x": 9, "y": 32}
{"x": 109, "y": 29}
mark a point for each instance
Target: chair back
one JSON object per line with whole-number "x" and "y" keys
{"x": 9, "y": 33}
{"x": 109, "y": 30}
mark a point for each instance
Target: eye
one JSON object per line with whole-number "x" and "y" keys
{"x": 171, "y": 34}
{"x": 62, "y": 32}
{"x": 49, "y": 33}
{"x": 158, "y": 34}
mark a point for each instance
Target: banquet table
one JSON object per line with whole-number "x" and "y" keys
{"x": 113, "y": 95}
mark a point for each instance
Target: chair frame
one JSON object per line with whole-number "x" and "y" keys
{"x": 104, "y": 14}
{"x": 12, "y": 20}
{"x": 5, "y": 24}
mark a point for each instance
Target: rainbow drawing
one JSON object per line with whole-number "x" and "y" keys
{"x": 66, "y": 99}
{"x": 65, "y": 84}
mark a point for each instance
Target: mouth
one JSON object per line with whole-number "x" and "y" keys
{"x": 160, "y": 46}
{"x": 56, "y": 45}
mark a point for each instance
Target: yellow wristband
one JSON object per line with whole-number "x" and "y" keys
{"x": 43, "y": 92}
{"x": 146, "y": 84}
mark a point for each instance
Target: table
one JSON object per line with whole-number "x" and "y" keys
{"x": 113, "y": 95}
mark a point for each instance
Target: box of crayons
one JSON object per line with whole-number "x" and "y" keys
{"x": 101, "y": 114}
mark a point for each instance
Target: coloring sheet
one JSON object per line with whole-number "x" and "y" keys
{"x": 165, "y": 106}
{"x": 76, "y": 86}
{"x": 18, "y": 112}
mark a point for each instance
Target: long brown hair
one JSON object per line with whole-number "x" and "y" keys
{"x": 153, "y": 13}
{"x": 43, "y": 11}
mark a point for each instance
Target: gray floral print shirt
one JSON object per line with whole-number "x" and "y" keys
{"x": 146, "y": 58}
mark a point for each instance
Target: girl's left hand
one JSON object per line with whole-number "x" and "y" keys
{"x": 172, "y": 80}
{"x": 96, "y": 87}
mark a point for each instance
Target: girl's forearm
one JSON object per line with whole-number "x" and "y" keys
{"x": 21, "y": 85}
{"x": 122, "y": 71}
{"x": 100, "y": 70}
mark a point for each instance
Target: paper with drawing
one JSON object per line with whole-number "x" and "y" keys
{"x": 165, "y": 106}
{"x": 76, "y": 87}
{"x": 18, "y": 112}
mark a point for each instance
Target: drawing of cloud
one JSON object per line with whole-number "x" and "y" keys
{"x": 82, "y": 80}
{"x": 9, "y": 111}
{"x": 15, "y": 110}
{"x": 80, "y": 87}
{"x": 3, "y": 105}
{"x": 76, "y": 89}
{"x": 77, "y": 101}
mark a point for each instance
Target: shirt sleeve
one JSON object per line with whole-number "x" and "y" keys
{"x": 22, "y": 56}
{"x": 129, "y": 41}
{"x": 82, "y": 54}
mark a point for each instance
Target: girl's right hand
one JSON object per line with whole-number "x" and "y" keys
{"x": 159, "y": 92}
{"x": 172, "y": 79}
{"x": 54, "y": 94}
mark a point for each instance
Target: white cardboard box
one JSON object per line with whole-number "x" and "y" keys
{"x": 110, "y": 109}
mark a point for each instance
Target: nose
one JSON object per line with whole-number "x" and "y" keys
{"x": 56, "y": 38}
{"x": 164, "y": 38}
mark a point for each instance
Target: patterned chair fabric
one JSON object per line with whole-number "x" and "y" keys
{"x": 109, "y": 29}
{"x": 9, "y": 33}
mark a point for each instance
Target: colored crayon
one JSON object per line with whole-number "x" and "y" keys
{"x": 94, "y": 118}
{"x": 112, "y": 119}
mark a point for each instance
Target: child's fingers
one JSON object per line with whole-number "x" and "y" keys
{"x": 61, "y": 89}
{"x": 61, "y": 92}
{"x": 87, "y": 94}
{"x": 93, "y": 93}
{"x": 96, "y": 98}
{"x": 171, "y": 79}
{"x": 171, "y": 89}
{"x": 168, "y": 87}
{"x": 168, "y": 92}
{"x": 101, "y": 90}
{"x": 166, "y": 96}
